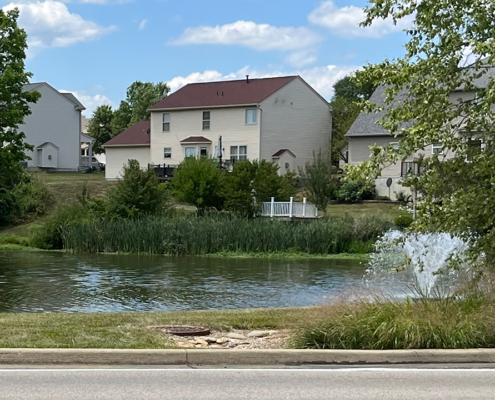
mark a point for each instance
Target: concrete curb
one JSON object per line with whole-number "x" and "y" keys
{"x": 241, "y": 357}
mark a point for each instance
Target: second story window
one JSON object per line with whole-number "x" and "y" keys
{"x": 251, "y": 116}
{"x": 166, "y": 122}
{"x": 436, "y": 148}
{"x": 206, "y": 120}
{"x": 167, "y": 152}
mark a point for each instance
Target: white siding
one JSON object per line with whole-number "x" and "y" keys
{"x": 117, "y": 157}
{"x": 295, "y": 118}
{"x": 54, "y": 119}
{"x": 230, "y": 123}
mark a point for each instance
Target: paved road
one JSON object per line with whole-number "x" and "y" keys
{"x": 273, "y": 384}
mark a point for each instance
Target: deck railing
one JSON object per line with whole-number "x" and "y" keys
{"x": 290, "y": 209}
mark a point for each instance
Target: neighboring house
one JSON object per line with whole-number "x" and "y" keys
{"x": 366, "y": 132}
{"x": 282, "y": 120}
{"x": 54, "y": 129}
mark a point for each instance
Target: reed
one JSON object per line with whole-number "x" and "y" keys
{"x": 221, "y": 233}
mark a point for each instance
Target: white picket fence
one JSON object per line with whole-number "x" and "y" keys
{"x": 289, "y": 209}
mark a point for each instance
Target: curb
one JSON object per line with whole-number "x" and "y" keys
{"x": 242, "y": 357}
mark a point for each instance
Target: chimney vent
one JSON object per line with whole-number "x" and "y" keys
{"x": 247, "y": 78}
{"x": 222, "y": 94}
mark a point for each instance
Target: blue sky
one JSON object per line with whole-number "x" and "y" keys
{"x": 97, "y": 48}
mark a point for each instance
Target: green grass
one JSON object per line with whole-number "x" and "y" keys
{"x": 442, "y": 324}
{"x": 359, "y": 209}
{"x": 130, "y": 330}
{"x": 292, "y": 256}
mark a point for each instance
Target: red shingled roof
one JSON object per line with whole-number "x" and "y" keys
{"x": 137, "y": 134}
{"x": 196, "y": 139}
{"x": 223, "y": 93}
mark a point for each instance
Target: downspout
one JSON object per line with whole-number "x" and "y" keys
{"x": 261, "y": 126}
{"x": 79, "y": 136}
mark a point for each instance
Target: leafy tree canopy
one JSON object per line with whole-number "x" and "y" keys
{"x": 13, "y": 107}
{"x": 100, "y": 127}
{"x": 450, "y": 50}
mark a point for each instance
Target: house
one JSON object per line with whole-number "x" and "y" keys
{"x": 54, "y": 129}
{"x": 366, "y": 132}
{"x": 282, "y": 120}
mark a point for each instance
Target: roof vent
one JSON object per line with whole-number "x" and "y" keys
{"x": 247, "y": 78}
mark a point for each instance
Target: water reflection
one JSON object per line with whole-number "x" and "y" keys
{"x": 55, "y": 282}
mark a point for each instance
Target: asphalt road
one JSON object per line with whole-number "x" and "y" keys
{"x": 237, "y": 384}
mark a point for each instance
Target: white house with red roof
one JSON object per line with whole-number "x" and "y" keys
{"x": 282, "y": 120}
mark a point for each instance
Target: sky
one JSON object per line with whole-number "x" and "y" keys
{"x": 97, "y": 48}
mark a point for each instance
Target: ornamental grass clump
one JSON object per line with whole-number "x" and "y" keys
{"x": 441, "y": 324}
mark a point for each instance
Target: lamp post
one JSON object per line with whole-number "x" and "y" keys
{"x": 220, "y": 150}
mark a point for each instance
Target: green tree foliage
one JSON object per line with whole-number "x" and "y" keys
{"x": 348, "y": 94}
{"x": 199, "y": 181}
{"x": 139, "y": 193}
{"x": 424, "y": 106}
{"x": 13, "y": 108}
{"x": 121, "y": 118}
{"x": 253, "y": 182}
{"x": 100, "y": 127}
{"x": 319, "y": 185}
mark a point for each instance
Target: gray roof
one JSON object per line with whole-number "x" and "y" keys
{"x": 366, "y": 124}
{"x": 69, "y": 96}
{"x": 47, "y": 144}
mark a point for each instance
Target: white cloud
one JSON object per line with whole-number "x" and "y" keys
{"x": 259, "y": 37}
{"x": 50, "y": 24}
{"x": 142, "y": 25}
{"x": 345, "y": 21}
{"x": 320, "y": 78}
{"x": 90, "y": 101}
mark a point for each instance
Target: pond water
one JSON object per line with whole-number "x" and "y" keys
{"x": 58, "y": 282}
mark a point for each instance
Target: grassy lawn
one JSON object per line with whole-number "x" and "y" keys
{"x": 65, "y": 188}
{"x": 130, "y": 330}
{"x": 359, "y": 209}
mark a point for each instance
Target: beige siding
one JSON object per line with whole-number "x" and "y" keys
{"x": 230, "y": 123}
{"x": 117, "y": 157}
{"x": 295, "y": 118}
{"x": 54, "y": 120}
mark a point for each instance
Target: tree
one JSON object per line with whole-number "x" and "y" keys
{"x": 199, "y": 181}
{"x": 254, "y": 182}
{"x": 422, "y": 108}
{"x": 348, "y": 94}
{"x": 121, "y": 118}
{"x": 13, "y": 107}
{"x": 100, "y": 127}
{"x": 317, "y": 176}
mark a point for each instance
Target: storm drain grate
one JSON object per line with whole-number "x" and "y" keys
{"x": 184, "y": 330}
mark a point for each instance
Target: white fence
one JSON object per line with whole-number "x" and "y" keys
{"x": 289, "y": 209}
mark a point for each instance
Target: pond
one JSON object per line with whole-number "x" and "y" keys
{"x": 59, "y": 282}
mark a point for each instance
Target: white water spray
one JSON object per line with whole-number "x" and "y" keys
{"x": 416, "y": 264}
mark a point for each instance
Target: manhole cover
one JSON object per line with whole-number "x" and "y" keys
{"x": 184, "y": 330}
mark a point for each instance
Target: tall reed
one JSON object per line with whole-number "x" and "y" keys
{"x": 191, "y": 235}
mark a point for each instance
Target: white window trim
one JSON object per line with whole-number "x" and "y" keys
{"x": 256, "y": 116}
{"x": 167, "y": 152}
{"x": 436, "y": 146}
{"x": 395, "y": 146}
{"x": 206, "y": 120}
{"x": 238, "y": 155}
{"x": 166, "y": 122}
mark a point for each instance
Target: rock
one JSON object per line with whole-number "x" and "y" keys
{"x": 185, "y": 345}
{"x": 222, "y": 340}
{"x": 199, "y": 346}
{"x": 200, "y": 341}
{"x": 259, "y": 334}
{"x": 208, "y": 339}
{"x": 231, "y": 344}
{"x": 216, "y": 346}
{"x": 237, "y": 336}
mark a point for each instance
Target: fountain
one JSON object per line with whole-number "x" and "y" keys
{"x": 416, "y": 265}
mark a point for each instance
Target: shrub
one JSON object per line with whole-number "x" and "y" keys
{"x": 199, "y": 181}
{"x": 253, "y": 182}
{"x": 50, "y": 235}
{"x": 355, "y": 191}
{"x": 401, "y": 196}
{"x": 404, "y": 221}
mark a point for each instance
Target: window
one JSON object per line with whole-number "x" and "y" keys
{"x": 475, "y": 147}
{"x": 203, "y": 151}
{"x": 410, "y": 168}
{"x": 395, "y": 146}
{"x": 167, "y": 152}
{"x": 216, "y": 152}
{"x": 190, "y": 151}
{"x": 238, "y": 153}
{"x": 206, "y": 120}
{"x": 166, "y": 122}
{"x": 436, "y": 148}
{"x": 251, "y": 116}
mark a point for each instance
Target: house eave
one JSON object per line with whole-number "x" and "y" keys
{"x": 126, "y": 145}
{"x": 203, "y": 107}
